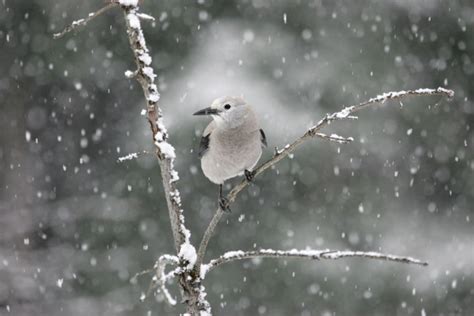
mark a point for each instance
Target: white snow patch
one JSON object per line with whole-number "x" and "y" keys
{"x": 129, "y": 3}
{"x": 148, "y": 71}
{"x": 340, "y": 139}
{"x": 203, "y": 271}
{"x": 145, "y": 58}
{"x": 129, "y": 74}
{"x": 188, "y": 253}
{"x": 174, "y": 176}
{"x": 344, "y": 112}
{"x": 134, "y": 21}
{"x": 159, "y": 137}
{"x": 232, "y": 254}
{"x": 154, "y": 97}
{"x": 128, "y": 157}
{"x": 166, "y": 149}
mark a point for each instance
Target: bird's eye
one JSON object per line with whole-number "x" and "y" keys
{"x": 227, "y": 106}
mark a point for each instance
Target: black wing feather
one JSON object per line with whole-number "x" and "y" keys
{"x": 263, "y": 138}
{"x": 204, "y": 145}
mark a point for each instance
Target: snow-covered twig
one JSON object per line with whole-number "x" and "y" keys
{"x": 345, "y": 113}
{"x": 308, "y": 254}
{"x": 161, "y": 277}
{"x": 165, "y": 151}
{"x": 193, "y": 292}
{"x": 144, "y": 16}
{"x": 132, "y": 156}
{"x": 335, "y": 138}
{"x": 82, "y": 22}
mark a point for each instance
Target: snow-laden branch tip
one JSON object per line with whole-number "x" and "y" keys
{"x": 144, "y": 16}
{"x": 82, "y": 22}
{"x": 161, "y": 277}
{"x": 335, "y": 138}
{"x": 345, "y": 113}
{"x": 306, "y": 253}
{"x": 112, "y": 3}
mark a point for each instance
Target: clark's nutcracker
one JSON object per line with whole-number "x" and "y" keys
{"x": 231, "y": 144}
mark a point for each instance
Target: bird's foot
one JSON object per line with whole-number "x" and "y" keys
{"x": 224, "y": 204}
{"x": 249, "y": 175}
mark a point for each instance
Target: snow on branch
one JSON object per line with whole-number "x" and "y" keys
{"x": 165, "y": 151}
{"x": 308, "y": 254}
{"x": 82, "y": 22}
{"x": 345, "y": 113}
{"x": 161, "y": 277}
{"x": 132, "y": 156}
{"x": 335, "y": 138}
{"x": 193, "y": 292}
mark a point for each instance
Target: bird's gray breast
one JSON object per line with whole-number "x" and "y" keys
{"x": 230, "y": 152}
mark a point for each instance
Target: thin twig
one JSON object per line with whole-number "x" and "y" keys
{"x": 132, "y": 156}
{"x": 345, "y": 113}
{"x": 161, "y": 277}
{"x": 82, "y": 22}
{"x": 335, "y": 138}
{"x": 308, "y": 254}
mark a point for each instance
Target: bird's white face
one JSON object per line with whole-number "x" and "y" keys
{"x": 230, "y": 111}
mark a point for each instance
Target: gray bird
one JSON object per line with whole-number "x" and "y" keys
{"x": 231, "y": 144}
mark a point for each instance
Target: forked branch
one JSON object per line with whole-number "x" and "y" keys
{"x": 345, "y": 113}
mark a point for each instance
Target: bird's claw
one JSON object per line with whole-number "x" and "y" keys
{"x": 224, "y": 204}
{"x": 249, "y": 175}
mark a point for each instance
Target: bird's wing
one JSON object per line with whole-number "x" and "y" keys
{"x": 205, "y": 139}
{"x": 263, "y": 138}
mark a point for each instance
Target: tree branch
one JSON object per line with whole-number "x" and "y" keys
{"x": 345, "y": 113}
{"x": 164, "y": 150}
{"x": 161, "y": 277}
{"x": 308, "y": 254}
{"x": 83, "y": 22}
{"x": 134, "y": 155}
{"x": 192, "y": 291}
{"x": 146, "y": 77}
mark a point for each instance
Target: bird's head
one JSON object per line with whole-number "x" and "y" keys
{"x": 227, "y": 111}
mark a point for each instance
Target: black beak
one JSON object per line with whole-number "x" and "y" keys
{"x": 206, "y": 111}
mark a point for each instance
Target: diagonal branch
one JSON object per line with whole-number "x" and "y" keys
{"x": 82, "y": 22}
{"x": 231, "y": 256}
{"x": 345, "y": 113}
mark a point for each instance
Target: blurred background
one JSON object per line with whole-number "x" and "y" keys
{"x": 75, "y": 225}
